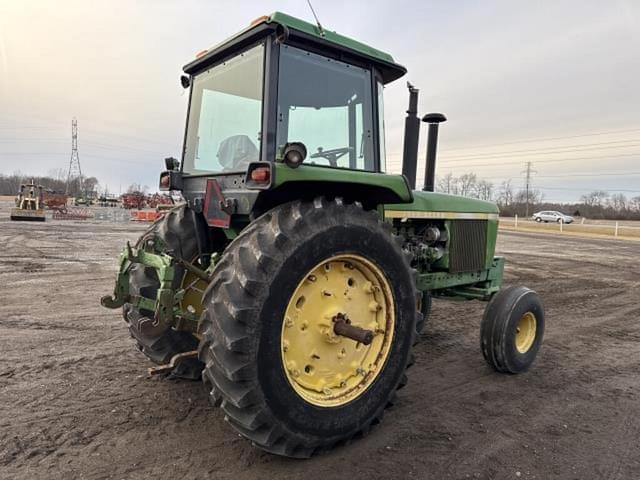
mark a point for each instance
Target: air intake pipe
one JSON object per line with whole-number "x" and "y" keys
{"x": 433, "y": 119}
{"x": 411, "y": 138}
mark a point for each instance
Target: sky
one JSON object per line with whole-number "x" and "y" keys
{"x": 555, "y": 83}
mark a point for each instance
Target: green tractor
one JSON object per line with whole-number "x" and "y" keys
{"x": 298, "y": 275}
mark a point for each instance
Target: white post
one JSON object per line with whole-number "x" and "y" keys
{"x": 561, "y": 223}
{"x": 616, "y": 234}
{"x": 582, "y": 223}
{"x": 516, "y": 224}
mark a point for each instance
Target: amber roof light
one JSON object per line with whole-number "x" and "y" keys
{"x": 258, "y": 20}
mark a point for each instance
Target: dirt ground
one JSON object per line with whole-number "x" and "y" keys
{"x": 75, "y": 400}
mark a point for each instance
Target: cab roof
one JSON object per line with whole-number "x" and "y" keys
{"x": 305, "y": 32}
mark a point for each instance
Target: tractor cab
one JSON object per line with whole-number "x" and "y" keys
{"x": 281, "y": 93}
{"x": 284, "y": 81}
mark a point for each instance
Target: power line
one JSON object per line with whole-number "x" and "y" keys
{"x": 543, "y": 139}
{"x": 607, "y": 174}
{"x": 551, "y": 160}
{"x": 90, "y": 131}
{"x": 33, "y": 140}
{"x": 498, "y": 155}
{"x": 571, "y": 175}
{"x": 106, "y": 146}
{"x": 90, "y": 156}
{"x": 595, "y": 188}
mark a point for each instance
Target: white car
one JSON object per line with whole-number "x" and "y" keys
{"x": 552, "y": 216}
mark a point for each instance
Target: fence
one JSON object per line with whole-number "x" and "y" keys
{"x": 581, "y": 227}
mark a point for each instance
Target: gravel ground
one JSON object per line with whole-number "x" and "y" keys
{"x": 75, "y": 400}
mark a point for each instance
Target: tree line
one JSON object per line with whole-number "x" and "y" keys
{"x": 55, "y": 181}
{"x": 598, "y": 204}
{"x": 511, "y": 200}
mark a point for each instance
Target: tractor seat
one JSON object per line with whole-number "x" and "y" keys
{"x": 236, "y": 152}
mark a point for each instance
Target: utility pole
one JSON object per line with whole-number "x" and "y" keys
{"x": 528, "y": 172}
{"x": 75, "y": 172}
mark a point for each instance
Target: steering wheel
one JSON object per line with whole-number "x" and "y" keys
{"x": 332, "y": 155}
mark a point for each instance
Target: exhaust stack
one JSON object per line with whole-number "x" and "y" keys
{"x": 433, "y": 119}
{"x": 411, "y": 137}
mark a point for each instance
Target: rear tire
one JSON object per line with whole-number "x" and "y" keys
{"x": 178, "y": 231}
{"x": 512, "y": 329}
{"x": 243, "y": 326}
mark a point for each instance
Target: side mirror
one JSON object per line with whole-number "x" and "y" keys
{"x": 185, "y": 81}
{"x": 171, "y": 163}
{"x": 294, "y": 154}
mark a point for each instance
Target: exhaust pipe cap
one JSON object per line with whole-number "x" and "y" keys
{"x": 434, "y": 118}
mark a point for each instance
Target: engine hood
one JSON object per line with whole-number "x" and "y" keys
{"x": 442, "y": 205}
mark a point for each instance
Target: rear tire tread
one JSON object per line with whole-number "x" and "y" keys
{"x": 257, "y": 247}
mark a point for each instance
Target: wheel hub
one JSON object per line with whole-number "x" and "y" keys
{"x": 341, "y": 300}
{"x": 525, "y": 332}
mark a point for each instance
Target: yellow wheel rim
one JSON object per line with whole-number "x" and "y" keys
{"x": 525, "y": 332}
{"x": 326, "y": 369}
{"x": 193, "y": 287}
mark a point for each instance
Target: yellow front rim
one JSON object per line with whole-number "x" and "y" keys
{"x": 325, "y": 369}
{"x": 525, "y": 332}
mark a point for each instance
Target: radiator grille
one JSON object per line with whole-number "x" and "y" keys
{"x": 468, "y": 245}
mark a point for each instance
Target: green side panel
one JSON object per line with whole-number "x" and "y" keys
{"x": 470, "y": 285}
{"x": 311, "y": 173}
{"x": 442, "y": 202}
{"x": 333, "y": 37}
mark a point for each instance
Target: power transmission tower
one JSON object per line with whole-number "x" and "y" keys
{"x": 75, "y": 172}
{"x": 528, "y": 172}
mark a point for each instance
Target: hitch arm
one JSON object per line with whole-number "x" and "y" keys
{"x": 121, "y": 290}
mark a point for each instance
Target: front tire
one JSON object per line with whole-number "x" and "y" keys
{"x": 259, "y": 294}
{"x": 512, "y": 329}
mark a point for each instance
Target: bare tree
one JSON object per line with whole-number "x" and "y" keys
{"x": 595, "y": 198}
{"x": 484, "y": 190}
{"x": 505, "y": 194}
{"x": 136, "y": 188}
{"x": 467, "y": 183}
{"x": 618, "y": 202}
{"x": 445, "y": 184}
{"x": 535, "y": 196}
{"x": 57, "y": 174}
{"x": 90, "y": 185}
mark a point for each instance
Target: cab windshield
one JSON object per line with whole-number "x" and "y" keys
{"x": 326, "y": 104}
{"x": 225, "y": 116}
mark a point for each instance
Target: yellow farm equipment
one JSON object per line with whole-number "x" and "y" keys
{"x": 29, "y": 204}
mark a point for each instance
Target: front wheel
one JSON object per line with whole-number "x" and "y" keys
{"x": 308, "y": 326}
{"x": 512, "y": 329}
{"x": 538, "y": 219}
